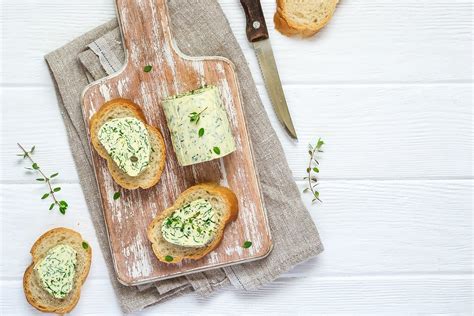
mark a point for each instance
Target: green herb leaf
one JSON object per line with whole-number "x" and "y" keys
{"x": 57, "y": 189}
{"x": 168, "y": 258}
{"x": 62, "y": 210}
{"x": 40, "y": 179}
{"x": 195, "y": 117}
{"x": 247, "y": 244}
{"x": 85, "y": 245}
{"x": 201, "y": 132}
{"x": 147, "y": 68}
{"x": 32, "y": 149}
{"x": 308, "y": 170}
{"x": 315, "y": 169}
{"x": 45, "y": 196}
{"x": 54, "y": 175}
{"x": 117, "y": 195}
{"x": 320, "y": 143}
{"x": 305, "y": 190}
{"x": 35, "y": 166}
{"x": 52, "y": 206}
{"x": 217, "y": 150}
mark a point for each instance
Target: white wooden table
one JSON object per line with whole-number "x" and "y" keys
{"x": 387, "y": 85}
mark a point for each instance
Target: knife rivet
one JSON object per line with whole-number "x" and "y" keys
{"x": 256, "y": 25}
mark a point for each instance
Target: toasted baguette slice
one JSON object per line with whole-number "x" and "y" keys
{"x": 303, "y": 17}
{"x": 36, "y": 295}
{"x": 220, "y": 197}
{"x": 118, "y": 108}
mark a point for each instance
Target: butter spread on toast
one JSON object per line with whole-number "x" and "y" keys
{"x": 127, "y": 141}
{"x": 57, "y": 269}
{"x": 192, "y": 225}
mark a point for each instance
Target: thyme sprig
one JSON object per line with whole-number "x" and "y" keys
{"x": 62, "y": 205}
{"x": 195, "y": 116}
{"x": 313, "y": 169}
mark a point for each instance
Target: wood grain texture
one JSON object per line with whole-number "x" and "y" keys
{"x": 428, "y": 294}
{"x": 390, "y": 227}
{"x": 372, "y": 131}
{"x": 395, "y": 41}
{"x": 147, "y": 40}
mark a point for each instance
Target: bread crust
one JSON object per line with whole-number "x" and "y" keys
{"x": 213, "y": 189}
{"x": 97, "y": 121}
{"x": 29, "y": 273}
{"x": 290, "y": 28}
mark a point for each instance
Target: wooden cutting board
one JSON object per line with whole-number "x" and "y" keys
{"x": 148, "y": 41}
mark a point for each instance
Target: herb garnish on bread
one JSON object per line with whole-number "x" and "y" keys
{"x": 134, "y": 150}
{"x": 58, "y": 254}
{"x": 194, "y": 225}
{"x": 303, "y": 17}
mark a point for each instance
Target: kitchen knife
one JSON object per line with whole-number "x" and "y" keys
{"x": 257, "y": 34}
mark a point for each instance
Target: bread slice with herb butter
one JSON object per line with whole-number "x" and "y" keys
{"x": 124, "y": 109}
{"x": 34, "y": 288}
{"x": 198, "y": 244}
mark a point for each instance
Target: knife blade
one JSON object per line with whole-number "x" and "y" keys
{"x": 257, "y": 34}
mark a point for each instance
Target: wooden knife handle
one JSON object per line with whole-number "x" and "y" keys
{"x": 256, "y": 26}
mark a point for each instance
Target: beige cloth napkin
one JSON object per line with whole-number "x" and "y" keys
{"x": 200, "y": 29}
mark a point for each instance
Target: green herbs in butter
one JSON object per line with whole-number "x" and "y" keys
{"x": 127, "y": 142}
{"x": 57, "y": 269}
{"x": 193, "y": 225}
{"x": 198, "y": 123}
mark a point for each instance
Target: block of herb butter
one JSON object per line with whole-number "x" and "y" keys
{"x": 199, "y": 126}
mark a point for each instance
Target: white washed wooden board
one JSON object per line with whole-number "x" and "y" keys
{"x": 363, "y": 269}
{"x": 127, "y": 219}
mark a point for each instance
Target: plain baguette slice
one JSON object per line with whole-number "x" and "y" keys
{"x": 38, "y": 297}
{"x": 303, "y": 17}
{"x": 221, "y": 198}
{"x": 118, "y": 108}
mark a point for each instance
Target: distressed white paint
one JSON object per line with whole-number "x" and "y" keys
{"x": 389, "y": 92}
{"x": 125, "y": 235}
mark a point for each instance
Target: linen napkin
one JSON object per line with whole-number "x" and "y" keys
{"x": 200, "y": 29}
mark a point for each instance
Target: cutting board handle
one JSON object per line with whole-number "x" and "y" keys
{"x": 145, "y": 30}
